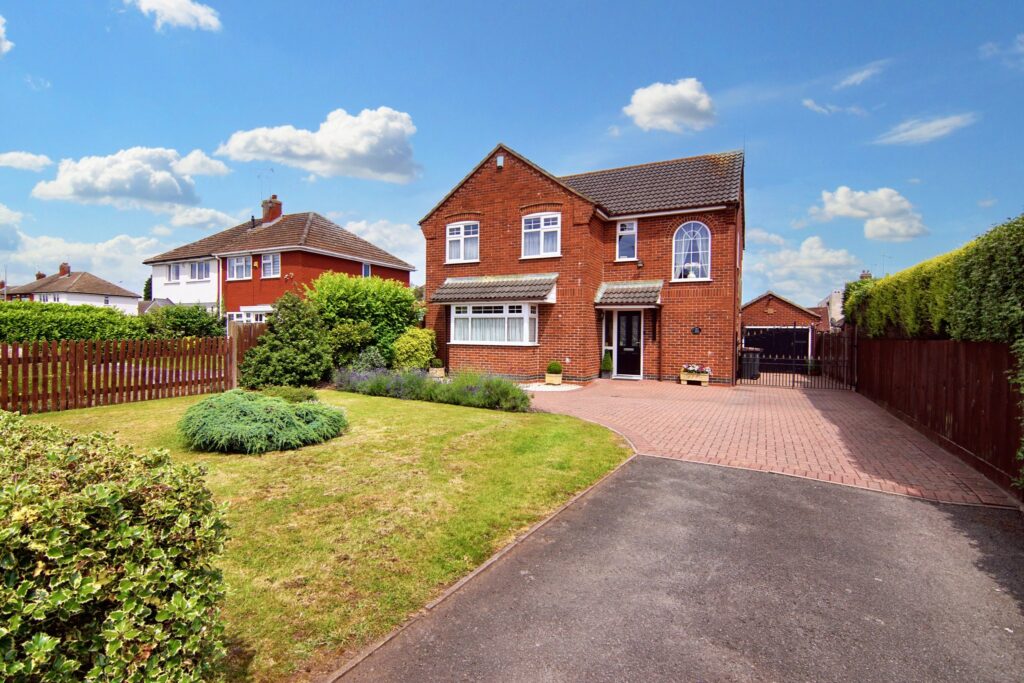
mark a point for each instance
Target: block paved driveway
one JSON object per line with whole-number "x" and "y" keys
{"x": 829, "y": 435}
{"x": 679, "y": 571}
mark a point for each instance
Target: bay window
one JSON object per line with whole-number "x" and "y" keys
{"x": 239, "y": 268}
{"x": 542, "y": 235}
{"x": 463, "y": 242}
{"x": 271, "y": 266}
{"x": 510, "y": 324}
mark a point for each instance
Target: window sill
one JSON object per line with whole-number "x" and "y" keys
{"x": 692, "y": 279}
{"x": 626, "y": 260}
{"x": 455, "y": 263}
{"x": 533, "y": 258}
{"x": 271, "y": 277}
{"x": 513, "y": 344}
{"x": 237, "y": 279}
{"x": 172, "y": 282}
{"x": 195, "y": 281}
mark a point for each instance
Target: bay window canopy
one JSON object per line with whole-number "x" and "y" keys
{"x": 533, "y": 288}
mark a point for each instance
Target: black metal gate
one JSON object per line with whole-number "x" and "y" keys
{"x": 799, "y": 357}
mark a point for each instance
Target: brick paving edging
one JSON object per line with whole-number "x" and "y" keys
{"x": 835, "y": 437}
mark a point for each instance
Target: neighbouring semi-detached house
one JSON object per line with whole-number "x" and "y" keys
{"x": 76, "y": 288}
{"x": 243, "y": 270}
{"x": 643, "y": 262}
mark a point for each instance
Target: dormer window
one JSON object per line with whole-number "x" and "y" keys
{"x": 463, "y": 242}
{"x": 542, "y": 235}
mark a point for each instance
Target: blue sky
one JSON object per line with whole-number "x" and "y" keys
{"x": 877, "y": 134}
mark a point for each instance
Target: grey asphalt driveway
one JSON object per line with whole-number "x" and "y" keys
{"x": 681, "y": 571}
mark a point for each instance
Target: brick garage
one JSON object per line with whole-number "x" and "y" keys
{"x": 497, "y": 198}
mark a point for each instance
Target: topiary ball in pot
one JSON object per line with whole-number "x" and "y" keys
{"x": 247, "y": 422}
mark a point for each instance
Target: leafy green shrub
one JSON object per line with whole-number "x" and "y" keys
{"x": 35, "y": 321}
{"x": 388, "y": 306}
{"x": 436, "y": 363}
{"x": 414, "y": 349}
{"x": 108, "y": 559}
{"x": 554, "y": 368}
{"x": 291, "y": 394}
{"x": 246, "y": 422}
{"x": 465, "y": 388}
{"x": 370, "y": 358}
{"x": 348, "y": 339}
{"x": 294, "y": 351}
{"x": 172, "y": 322}
{"x": 606, "y": 362}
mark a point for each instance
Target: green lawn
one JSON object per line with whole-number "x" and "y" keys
{"x": 332, "y": 546}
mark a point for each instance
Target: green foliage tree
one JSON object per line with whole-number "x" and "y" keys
{"x": 108, "y": 559}
{"x": 294, "y": 351}
{"x": 34, "y": 321}
{"x": 172, "y": 322}
{"x": 414, "y": 349}
{"x": 348, "y": 339}
{"x": 388, "y": 306}
{"x": 147, "y": 289}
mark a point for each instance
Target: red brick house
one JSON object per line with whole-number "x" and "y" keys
{"x": 779, "y": 326}
{"x": 241, "y": 271}
{"x": 643, "y": 262}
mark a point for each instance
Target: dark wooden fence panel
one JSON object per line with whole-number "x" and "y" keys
{"x": 958, "y": 393}
{"x": 39, "y": 377}
{"x": 243, "y": 337}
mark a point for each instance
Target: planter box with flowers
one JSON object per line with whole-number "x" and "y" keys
{"x": 437, "y": 368}
{"x": 694, "y": 373}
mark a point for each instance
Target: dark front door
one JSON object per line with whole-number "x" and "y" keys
{"x": 628, "y": 344}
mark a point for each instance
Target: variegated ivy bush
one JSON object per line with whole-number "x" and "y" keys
{"x": 107, "y": 559}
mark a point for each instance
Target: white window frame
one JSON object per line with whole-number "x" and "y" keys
{"x": 194, "y": 271}
{"x": 106, "y": 300}
{"x": 622, "y": 228}
{"x": 56, "y": 298}
{"x": 460, "y": 236}
{"x": 542, "y": 230}
{"x": 44, "y": 298}
{"x": 676, "y": 236}
{"x": 528, "y": 313}
{"x": 246, "y": 262}
{"x": 274, "y": 258}
{"x": 173, "y": 273}
{"x": 367, "y": 269}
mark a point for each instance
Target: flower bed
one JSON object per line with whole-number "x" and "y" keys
{"x": 465, "y": 388}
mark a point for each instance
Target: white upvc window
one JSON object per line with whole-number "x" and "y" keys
{"x": 239, "y": 268}
{"x": 367, "y": 270}
{"x": 501, "y": 324}
{"x": 44, "y": 298}
{"x": 625, "y": 241}
{"x": 542, "y": 235}
{"x": 199, "y": 270}
{"x": 691, "y": 252}
{"x": 56, "y": 298}
{"x": 270, "y": 266}
{"x": 174, "y": 272}
{"x": 106, "y": 300}
{"x": 463, "y": 242}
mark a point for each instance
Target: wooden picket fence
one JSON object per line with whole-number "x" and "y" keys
{"x": 37, "y": 377}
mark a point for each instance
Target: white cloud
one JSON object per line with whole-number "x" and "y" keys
{"x": 1011, "y": 55}
{"x": 37, "y": 82}
{"x": 829, "y": 109}
{"x": 401, "y": 239}
{"x": 373, "y": 144}
{"x": 919, "y": 131}
{"x": 762, "y": 236}
{"x": 161, "y": 230}
{"x": 888, "y": 215}
{"x": 614, "y": 131}
{"x": 987, "y": 202}
{"x": 5, "y": 44}
{"x": 183, "y": 13}
{"x": 675, "y": 107}
{"x": 805, "y": 273}
{"x": 914, "y": 181}
{"x": 153, "y": 178}
{"x": 9, "y": 216}
{"x": 24, "y": 161}
{"x": 118, "y": 259}
{"x": 862, "y": 75}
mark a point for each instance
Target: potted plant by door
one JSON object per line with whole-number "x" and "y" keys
{"x": 694, "y": 372}
{"x": 606, "y": 365}
{"x": 436, "y": 368}
{"x": 554, "y": 373}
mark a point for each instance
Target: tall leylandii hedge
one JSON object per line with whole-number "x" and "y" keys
{"x": 34, "y": 321}
{"x": 974, "y": 293}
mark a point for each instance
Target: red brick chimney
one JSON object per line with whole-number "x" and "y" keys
{"x": 65, "y": 268}
{"x": 40, "y": 275}
{"x": 271, "y": 208}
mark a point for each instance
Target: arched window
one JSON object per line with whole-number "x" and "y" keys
{"x": 691, "y": 252}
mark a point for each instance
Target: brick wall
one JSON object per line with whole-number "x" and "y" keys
{"x": 771, "y": 311}
{"x": 570, "y": 330}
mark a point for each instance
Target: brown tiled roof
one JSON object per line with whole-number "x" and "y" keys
{"x": 629, "y": 293}
{"x": 309, "y": 230}
{"x": 809, "y": 311}
{"x": 495, "y": 288}
{"x": 75, "y": 283}
{"x": 707, "y": 180}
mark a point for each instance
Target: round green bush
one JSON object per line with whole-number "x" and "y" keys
{"x": 108, "y": 559}
{"x": 291, "y": 394}
{"x": 414, "y": 349}
{"x": 247, "y": 422}
{"x": 554, "y": 368}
